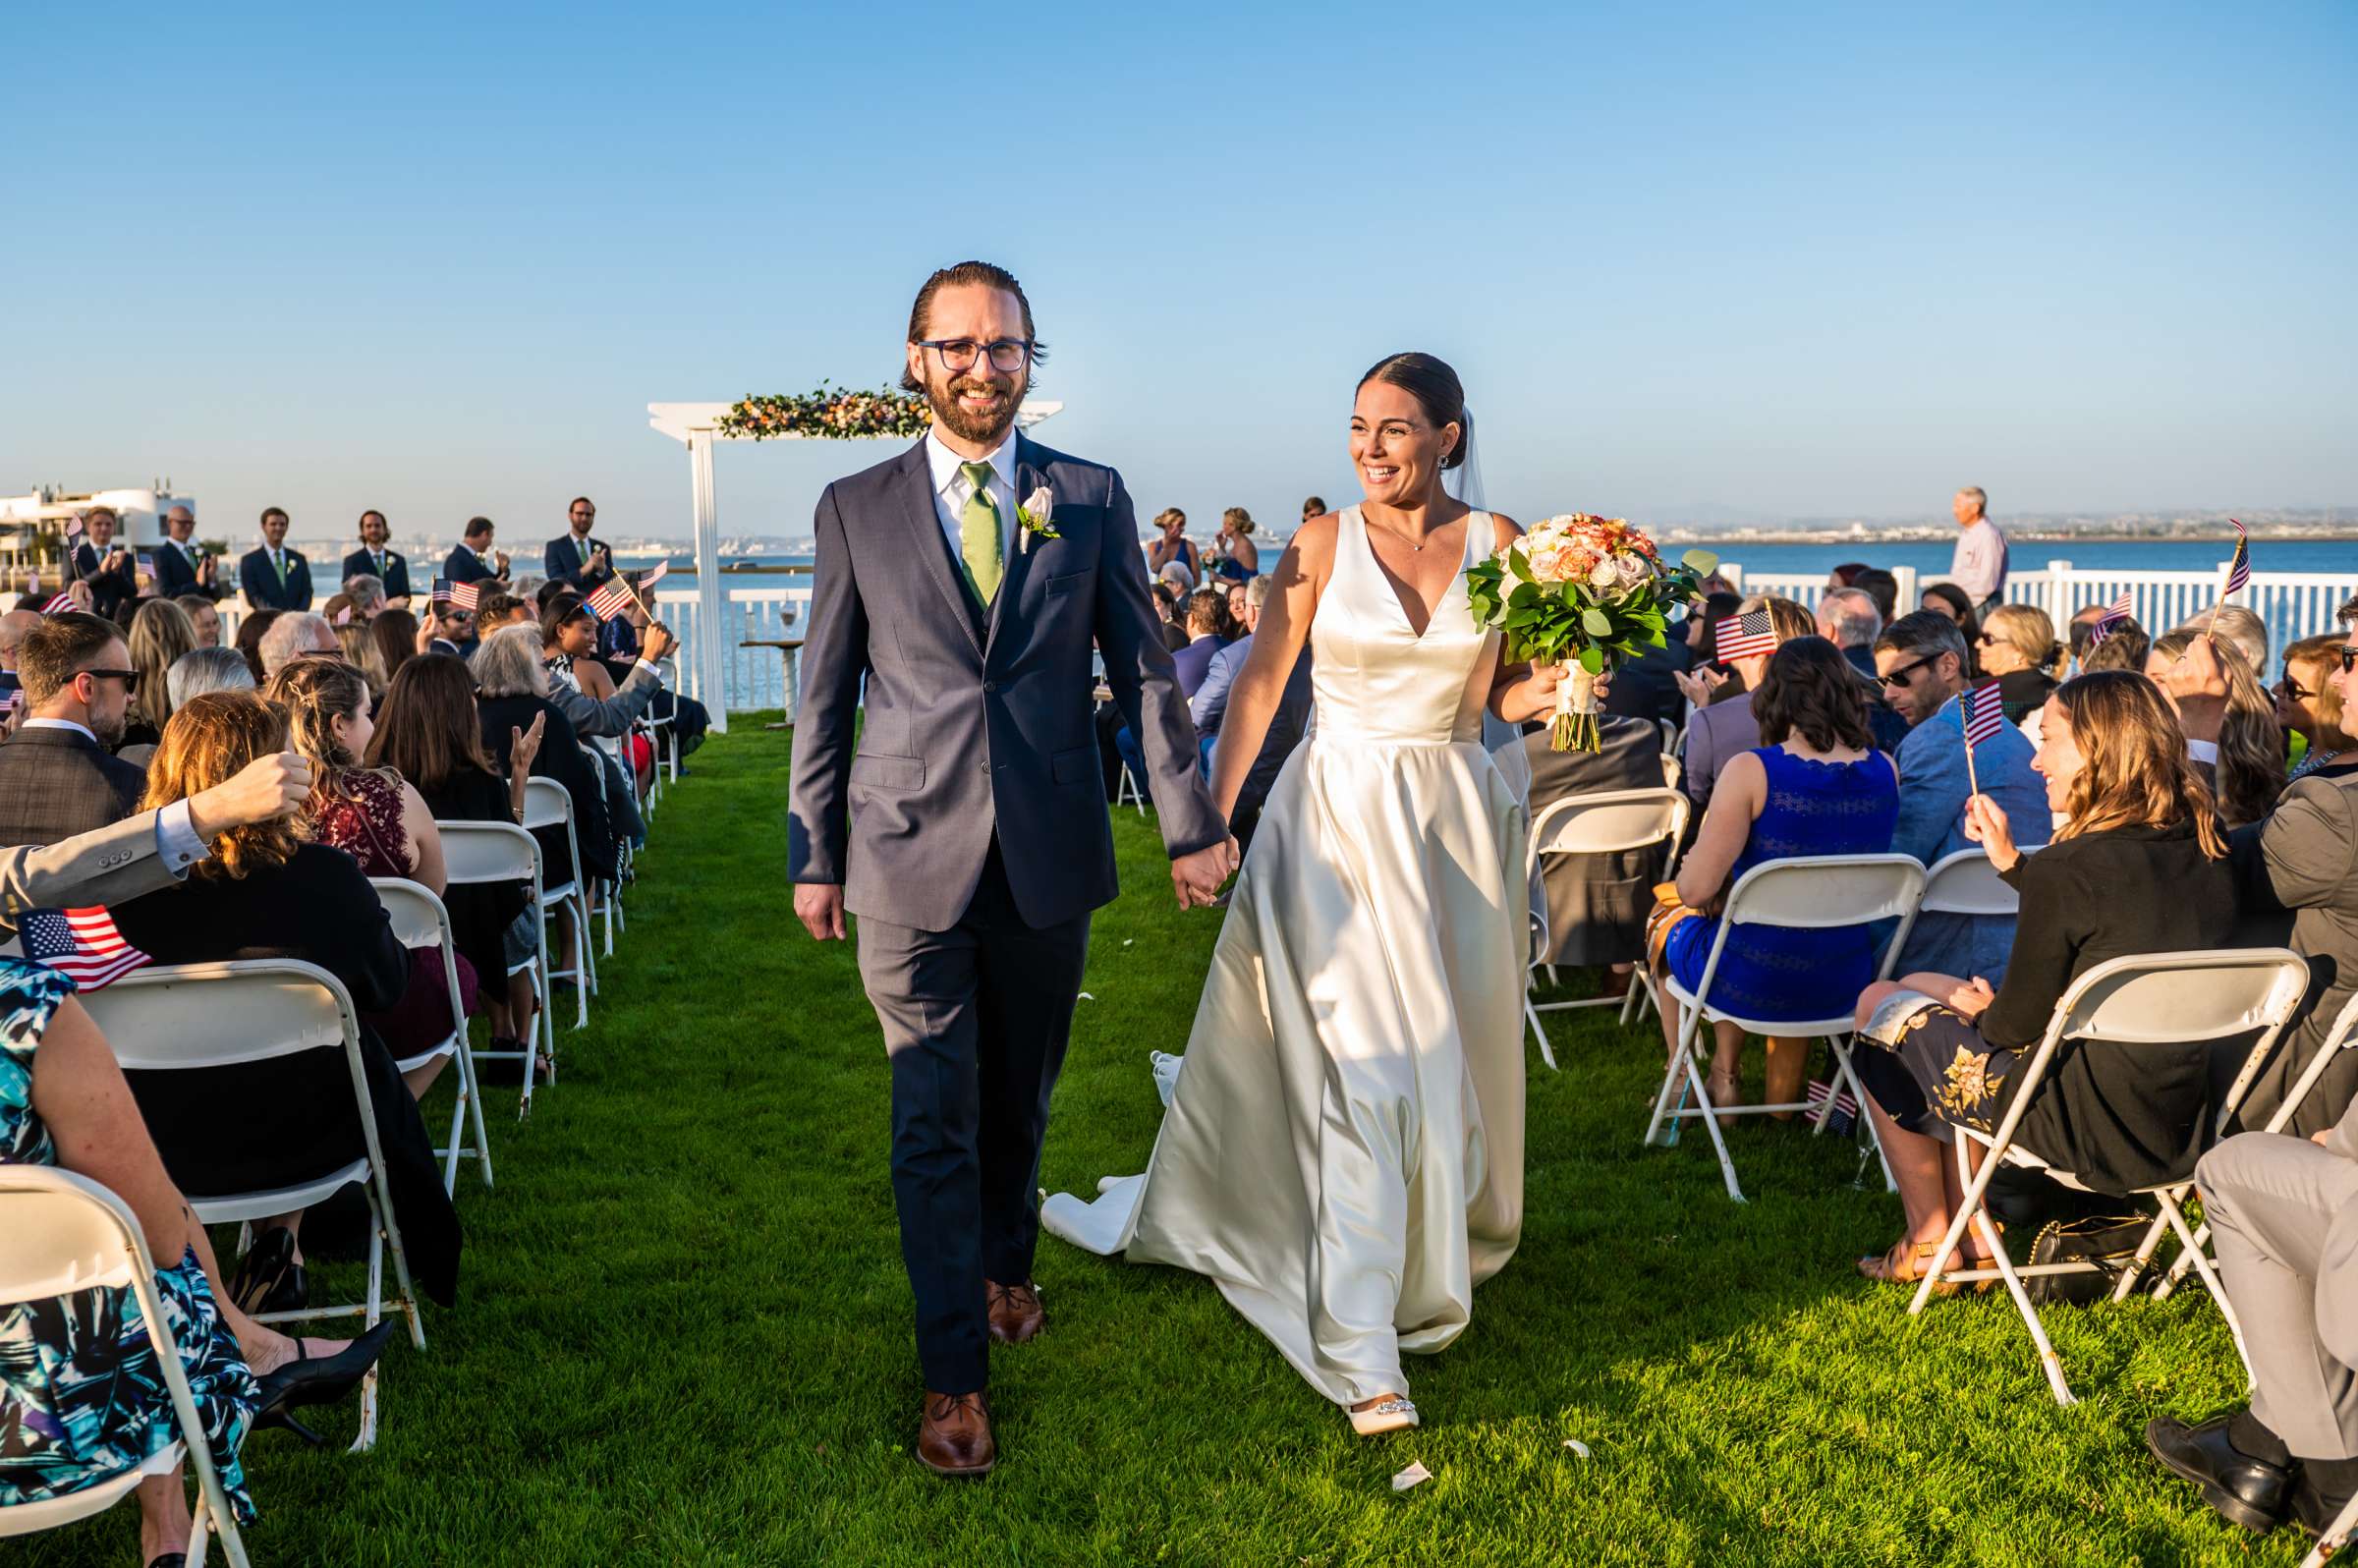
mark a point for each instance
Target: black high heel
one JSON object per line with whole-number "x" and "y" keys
{"x": 260, "y": 1282}
{"x": 327, "y": 1381}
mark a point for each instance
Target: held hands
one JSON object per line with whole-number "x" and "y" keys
{"x": 1194, "y": 877}
{"x": 1985, "y": 824}
{"x": 263, "y": 790}
{"x": 1973, "y": 998}
{"x": 819, "y": 907}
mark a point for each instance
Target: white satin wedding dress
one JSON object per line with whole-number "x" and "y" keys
{"x": 1344, "y": 1148}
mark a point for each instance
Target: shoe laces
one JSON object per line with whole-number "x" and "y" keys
{"x": 1022, "y": 1296}
{"x": 943, "y": 1407}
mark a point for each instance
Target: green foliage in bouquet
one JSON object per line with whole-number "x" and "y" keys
{"x": 828, "y": 414}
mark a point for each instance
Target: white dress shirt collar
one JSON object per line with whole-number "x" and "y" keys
{"x": 82, "y": 730}
{"x": 947, "y": 465}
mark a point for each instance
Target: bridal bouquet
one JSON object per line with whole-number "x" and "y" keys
{"x": 1587, "y": 591}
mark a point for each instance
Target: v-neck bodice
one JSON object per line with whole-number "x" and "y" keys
{"x": 1373, "y": 677}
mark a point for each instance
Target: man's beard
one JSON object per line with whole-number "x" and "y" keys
{"x": 110, "y": 731}
{"x": 983, "y": 429}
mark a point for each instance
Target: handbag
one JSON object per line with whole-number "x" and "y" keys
{"x": 2107, "y": 1241}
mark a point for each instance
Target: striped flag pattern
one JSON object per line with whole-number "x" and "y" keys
{"x": 58, "y": 605}
{"x": 1981, "y": 712}
{"x": 73, "y": 527}
{"x": 1846, "y": 1105}
{"x": 459, "y": 595}
{"x": 81, "y": 944}
{"x": 2240, "y": 569}
{"x": 2110, "y": 622}
{"x": 609, "y": 601}
{"x": 1746, "y": 636}
{"x": 146, "y": 564}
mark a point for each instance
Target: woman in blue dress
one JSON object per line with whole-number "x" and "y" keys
{"x": 1815, "y": 785}
{"x": 82, "y": 1399}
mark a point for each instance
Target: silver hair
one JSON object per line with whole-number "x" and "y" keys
{"x": 1981, "y": 498}
{"x": 207, "y": 669}
{"x": 1850, "y": 615}
{"x": 1258, "y": 591}
{"x": 366, "y": 591}
{"x": 508, "y": 663}
{"x": 294, "y": 635}
{"x": 2238, "y": 625}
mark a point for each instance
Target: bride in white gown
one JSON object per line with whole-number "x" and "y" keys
{"x": 1344, "y": 1149}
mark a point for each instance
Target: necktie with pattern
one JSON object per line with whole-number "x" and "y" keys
{"x": 979, "y": 533}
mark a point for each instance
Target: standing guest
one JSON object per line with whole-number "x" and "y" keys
{"x": 377, "y": 559}
{"x": 182, "y": 567}
{"x": 207, "y": 669}
{"x": 2017, "y": 644}
{"x": 252, "y": 629}
{"x": 395, "y": 636}
{"x": 473, "y": 560}
{"x": 1721, "y": 732}
{"x": 105, "y": 565}
{"x": 1171, "y": 544}
{"x": 205, "y": 618}
{"x": 1239, "y": 556}
{"x": 2139, "y": 867}
{"x": 1315, "y": 506}
{"x": 381, "y": 821}
{"x": 159, "y": 635}
{"x": 271, "y": 576}
{"x": 56, "y": 778}
{"x": 430, "y": 735}
{"x": 261, "y": 1125}
{"x": 1922, "y": 662}
{"x": 1977, "y": 565}
{"x": 573, "y": 557}
{"x": 2309, "y": 703}
{"x": 296, "y": 635}
{"x": 2246, "y": 765}
{"x": 1813, "y": 785}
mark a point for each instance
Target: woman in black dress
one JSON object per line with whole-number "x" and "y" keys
{"x": 510, "y": 695}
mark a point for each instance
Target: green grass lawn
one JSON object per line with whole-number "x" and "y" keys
{"x": 683, "y": 1329}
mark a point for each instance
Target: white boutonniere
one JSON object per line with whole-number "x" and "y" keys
{"x": 1033, "y": 518}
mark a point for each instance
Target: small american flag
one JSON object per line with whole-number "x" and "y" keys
{"x": 609, "y": 601}
{"x": 73, "y": 527}
{"x": 1846, "y": 1106}
{"x": 2239, "y": 568}
{"x": 1747, "y": 635}
{"x": 58, "y": 605}
{"x": 81, "y": 944}
{"x": 2110, "y": 622}
{"x": 460, "y": 595}
{"x": 1981, "y": 712}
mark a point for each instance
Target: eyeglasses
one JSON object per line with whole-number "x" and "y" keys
{"x": 1899, "y": 677}
{"x": 2349, "y": 658}
{"x": 2292, "y": 691}
{"x": 1007, "y": 355}
{"x": 1987, "y": 640}
{"x": 128, "y": 678}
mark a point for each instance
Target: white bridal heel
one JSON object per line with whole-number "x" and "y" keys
{"x": 1389, "y": 1415}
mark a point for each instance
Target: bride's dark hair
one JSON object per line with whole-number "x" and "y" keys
{"x": 1438, "y": 391}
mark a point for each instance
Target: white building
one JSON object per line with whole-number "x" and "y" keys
{"x": 46, "y": 510}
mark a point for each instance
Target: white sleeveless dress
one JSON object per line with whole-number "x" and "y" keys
{"x": 1343, "y": 1151}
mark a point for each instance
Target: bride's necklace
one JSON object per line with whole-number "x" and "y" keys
{"x": 1405, "y": 539}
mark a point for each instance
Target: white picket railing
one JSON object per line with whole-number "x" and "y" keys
{"x": 757, "y": 677}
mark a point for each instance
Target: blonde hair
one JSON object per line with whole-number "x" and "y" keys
{"x": 2251, "y": 748}
{"x": 159, "y": 635}
{"x": 2326, "y": 703}
{"x": 213, "y": 737}
{"x": 2134, "y": 770}
{"x": 364, "y": 653}
{"x": 1169, "y": 513}
{"x": 1237, "y": 521}
{"x": 2026, "y": 629}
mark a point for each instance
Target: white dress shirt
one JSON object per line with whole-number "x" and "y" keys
{"x": 951, "y": 491}
{"x": 1978, "y": 564}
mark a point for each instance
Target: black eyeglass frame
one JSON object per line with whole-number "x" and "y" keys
{"x": 1024, "y": 348}
{"x": 128, "y": 678}
{"x": 1899, "y": 678}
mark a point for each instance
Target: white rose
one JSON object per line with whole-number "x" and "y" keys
{"x": 1604, "y": 575}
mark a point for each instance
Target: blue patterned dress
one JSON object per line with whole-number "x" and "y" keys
{"x": 82, "y": 1399}
{"x": 1771, "y": 973}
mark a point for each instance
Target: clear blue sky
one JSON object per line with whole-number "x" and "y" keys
{"x": 1776, "y": 260}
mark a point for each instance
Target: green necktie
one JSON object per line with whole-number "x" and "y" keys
{"x": 279, "y": 562}
{"x": 979, "y": 533}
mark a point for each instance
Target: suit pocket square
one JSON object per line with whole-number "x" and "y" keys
{"x": 888, "y": 772}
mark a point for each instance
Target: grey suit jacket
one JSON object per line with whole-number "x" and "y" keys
{"x": 979, "y": 723}
{"x": 1716, "y": 734}
{"x": 105, "y": 867}
{"x": 613, "y": 716}
{"x": 2302, "y": 858}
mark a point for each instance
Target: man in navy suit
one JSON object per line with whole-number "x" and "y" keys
{"x": 273, "y": 577}
{"x": 373, "y": 559}
{"x": 573, "y": 557}
{"x": 473, "y": 560}
{"x": 182, "y": 566}
{"x": 103, "y": 564}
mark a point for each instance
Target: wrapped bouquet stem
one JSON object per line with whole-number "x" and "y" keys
{"x": 1587, "y": 593}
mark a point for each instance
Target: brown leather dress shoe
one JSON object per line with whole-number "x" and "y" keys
{"x": 1015, "y": 1312}
{"x": 954, "y": 1439}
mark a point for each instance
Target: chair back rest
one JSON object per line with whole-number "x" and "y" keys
{"x": 1815, "y": 891}
{"x": 545, "y": 803}
{"x": 419, "y": 919}
{"x": 176, "y": 1017}
{"x": 1610, "y": 821}
{"x": 489, "y": 852}
{"x": 1673, "y": 769}
{"x": 1966, "y": 883}
{"x": 2168, "y": 998}
{"x": 65, "y": 1233}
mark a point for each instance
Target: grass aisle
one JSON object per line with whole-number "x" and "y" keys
{"x": 683, "y": 1334}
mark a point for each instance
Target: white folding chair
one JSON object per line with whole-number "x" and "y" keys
{"x": 1966, "y": 883}
{"x": 480, "y": 852}
{"x": 66, "y": 1233}
{"x": 610, "y": 907}
{"x": 1673, "y": 770}
{"x": 1608, "y": 822}
{"x": 179, "y": 1018}
{"x": 1127, "y": 792}
{"x": 421, "y": 919}
{"x": 546, "y": 805}
{"x": 1812, "y": 892}
{"x": 2151, "y": 999}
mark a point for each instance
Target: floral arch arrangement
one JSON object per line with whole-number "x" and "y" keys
{"x": 829, "y": 413}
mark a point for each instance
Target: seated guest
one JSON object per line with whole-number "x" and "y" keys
{"x": 56, "y": 776}
{"x": 377, "y": 559}
{"x": 373, "y": 815}
{"x": 2309, "y": 704}
{"x": 1207, "y": 616}
{"x": 85, "y": 1401}
{"x": 360, "y": 650}
{"x": 1722, "y": 731}
{"x": 1647, "y": 687}
{"x": 454, "y": 630}
{"x": 2139, "y": 867}
{"x": 257, "y": 1126}
{"x": 2124, "y": 649}
{"x": 338, "y": 610}
{"x": 1946, "y": 598}
{"x": 2246, "y": 765}
{"x": 568, "y": 648}
{"x": 2232, "y": 623}
{"x": 1167, "y": 601}
{"x": 1880, "y": 587}
{"x": 1596, "y": 904}
{"x": 1922, "y": 658}
{"x": 1848, "y": 619}
{"x": 1210, "y": 700}
{"x": 395, "y": 636}
{"x": 1815, "y": 785}
{"x": 428, "y": 733}
{"x": 271, "y": 576}
{"x": 205, "y": 618}
{"x": 251, "y": 630}
{"x": 13, "y": 627}
{"x": 367, "y": 593}
{"x": 586, "y": 691}
{"x": 2282, "y": 1211}
{"x": 160, "y": 634}
{"x": 511, "y": 692}
{"x": 2018, "y": 647}
{"x": 207, "y": 669}
{"x": 473, "y": 560}
{"x": 295, "y": 636}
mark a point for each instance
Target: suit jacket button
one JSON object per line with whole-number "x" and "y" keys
{"x": 990, "y": 686}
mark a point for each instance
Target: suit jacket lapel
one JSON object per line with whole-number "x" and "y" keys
{"x": 1028, "y": 478}
{"x": 931, "y": 546}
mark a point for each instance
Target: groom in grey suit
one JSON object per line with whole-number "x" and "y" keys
{"x": 968, "y": 832}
